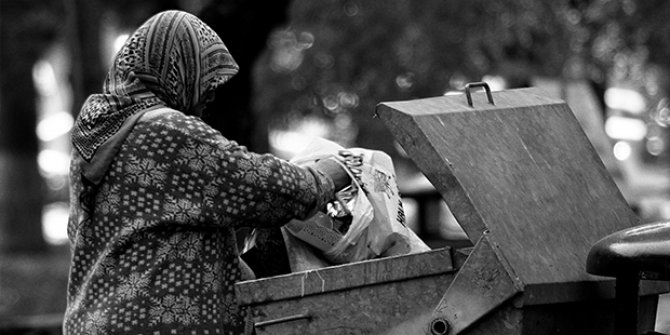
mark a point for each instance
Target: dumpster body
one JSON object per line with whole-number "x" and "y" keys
{"x": 531, "y": 193}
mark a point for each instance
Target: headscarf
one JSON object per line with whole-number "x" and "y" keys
{"x": 173, "y": 60}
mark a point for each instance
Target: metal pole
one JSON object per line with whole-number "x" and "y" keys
{"x": 627, "y": 299}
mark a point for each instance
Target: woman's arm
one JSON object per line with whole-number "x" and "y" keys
{"x": 263, "y": 190}
{"x": 334, "y": 169}
{"x": 220, "y": 183}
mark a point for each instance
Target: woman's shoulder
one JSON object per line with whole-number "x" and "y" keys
{"x": 173, "y": 123}
{"x": 173, "y": 120}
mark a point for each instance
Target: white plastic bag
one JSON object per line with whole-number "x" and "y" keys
{"x": 377, "y": 217}
{"x": 388, "y": 234}
{"x": 320, "y": 230}
{"x": 353, "y": 245}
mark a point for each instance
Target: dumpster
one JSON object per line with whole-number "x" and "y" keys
{"x": 356, "y": 298}
{"x": 531, "y": 193}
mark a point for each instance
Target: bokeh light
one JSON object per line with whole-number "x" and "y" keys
{"x": 622, "y": 150}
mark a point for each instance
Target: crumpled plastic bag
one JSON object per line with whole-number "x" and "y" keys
{"x": 377, "y": 222}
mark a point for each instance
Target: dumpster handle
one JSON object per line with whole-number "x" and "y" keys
{"x": 478, "y": 84}
{"x": 266, "y": 323}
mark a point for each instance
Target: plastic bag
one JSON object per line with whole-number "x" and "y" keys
{"x": 377, "y": 218}
{"x": 388, "y": 234}
{"x": 337, "y": 245}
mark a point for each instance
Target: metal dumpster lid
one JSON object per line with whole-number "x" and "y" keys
{"x": 518, "y": 165}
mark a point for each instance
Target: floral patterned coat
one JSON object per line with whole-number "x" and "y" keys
{"x": 153, "y": 244}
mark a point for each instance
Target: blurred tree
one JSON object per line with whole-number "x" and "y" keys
{"x": 27, "y": 28}
{"x": 338, "y": 58}
{"x": 624, "y": 43}
{"x": 83, "y": 30}
{"x": 245, "y": 30}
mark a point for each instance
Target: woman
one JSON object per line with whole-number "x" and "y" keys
{"x": 156, "y": 193}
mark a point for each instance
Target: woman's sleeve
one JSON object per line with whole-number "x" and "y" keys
{"x": 256, "y": 190}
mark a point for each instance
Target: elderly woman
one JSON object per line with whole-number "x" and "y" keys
{"x": 156, "y": 193}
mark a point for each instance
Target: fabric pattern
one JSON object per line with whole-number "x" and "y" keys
{"x": 172, "y": 60}
{"x": 154, "y": 252}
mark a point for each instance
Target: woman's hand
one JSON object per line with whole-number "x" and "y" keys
{"x": 335, "y": 170}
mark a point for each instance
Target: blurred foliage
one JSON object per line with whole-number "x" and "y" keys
{"x": 26, "y": 29}
{"x": 339, "y": 58}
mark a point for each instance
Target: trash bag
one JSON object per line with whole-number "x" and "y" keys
{"x": 367, "y": 220}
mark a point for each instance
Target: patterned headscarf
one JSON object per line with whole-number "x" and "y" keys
{"x": 173, "y": 60}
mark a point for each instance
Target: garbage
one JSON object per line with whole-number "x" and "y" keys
{"x": 367, "y": 219}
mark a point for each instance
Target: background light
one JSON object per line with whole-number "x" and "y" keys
{"x": 624, "y": 128}
{"x": 54, "y": 223}
{"x": 54, "y": 126}
{"x": 119, "y": 41}
{"x": 496, "y": 83}
{"x": 288, "y": 143}
{"x": 53, "y": 162}
{"x": 622, "y": 150}
{"x": 625, "y": 99}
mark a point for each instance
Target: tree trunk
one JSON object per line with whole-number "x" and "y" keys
{"x": 244, "y": 26}
{"x": 84, "y": 18}
{"x": 24, "y": 33}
